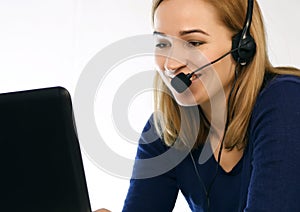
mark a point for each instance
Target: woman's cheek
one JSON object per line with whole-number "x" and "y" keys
{"x": 160, "y": 61}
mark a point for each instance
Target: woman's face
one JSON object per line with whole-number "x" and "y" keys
{"x": 196, "y": 23}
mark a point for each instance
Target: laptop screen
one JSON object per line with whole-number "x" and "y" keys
{"x": 40, "y": 160}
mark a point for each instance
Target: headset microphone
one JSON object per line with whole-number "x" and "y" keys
{"x": 182, "y": 81}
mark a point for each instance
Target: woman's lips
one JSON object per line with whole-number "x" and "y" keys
{"x": 171, "y": 75}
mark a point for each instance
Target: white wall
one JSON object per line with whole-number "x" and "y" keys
{"x": 49, "y": 42}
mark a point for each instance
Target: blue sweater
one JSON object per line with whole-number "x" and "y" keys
{"x": 267, "y": 178}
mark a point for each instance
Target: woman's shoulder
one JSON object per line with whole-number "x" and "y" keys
{"x": 273, "y": 82}
{"x": 277, "y": 102}
{"x": 279, "y": 88}
{"x": 150, "y": 142}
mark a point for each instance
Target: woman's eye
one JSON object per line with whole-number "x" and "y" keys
{"x": 195, "y": 43}
{"x": 162, "y": 45}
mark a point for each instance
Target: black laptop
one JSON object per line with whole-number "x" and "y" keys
{"x": 40, "y": 161}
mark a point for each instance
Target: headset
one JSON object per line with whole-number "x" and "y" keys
{"x": 243, "y": 41}
{"x": 243, "y": 50}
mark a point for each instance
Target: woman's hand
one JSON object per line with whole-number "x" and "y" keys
{"x": 102, "y": 210}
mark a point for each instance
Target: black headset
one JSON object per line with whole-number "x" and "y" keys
{"x": 243, "y": 50}
{"x": 243, "y": 41}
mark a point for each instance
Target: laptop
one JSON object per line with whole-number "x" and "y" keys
{"x": 40, "y": 160}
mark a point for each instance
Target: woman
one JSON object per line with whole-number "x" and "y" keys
{"x": 253, "y": 140}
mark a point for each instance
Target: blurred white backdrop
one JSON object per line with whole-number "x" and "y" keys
{"x": 46, "y": 43}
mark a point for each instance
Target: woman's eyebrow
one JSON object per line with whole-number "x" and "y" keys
{"x": 190, "y": 31}
{"x": 184, "y": 32}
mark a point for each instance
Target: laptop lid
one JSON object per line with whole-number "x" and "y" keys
{"x": 40, "y": 159}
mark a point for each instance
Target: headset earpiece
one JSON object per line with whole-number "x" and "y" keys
{"x": 246, "y": 48}
{"x": 243, "y": 45}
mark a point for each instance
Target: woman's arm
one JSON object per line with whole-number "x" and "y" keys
{"x": 151, "y": 193}
{"x": 275, "y": 133}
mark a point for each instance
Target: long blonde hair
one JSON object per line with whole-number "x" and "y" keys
{"x": 232, "y": 13}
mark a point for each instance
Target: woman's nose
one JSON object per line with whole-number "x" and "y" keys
{"x": 173, "y": 64}
{"x": 171, "y": 59}
{"x": 166, "y": 63}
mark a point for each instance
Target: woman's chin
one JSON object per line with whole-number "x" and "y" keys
{"x": 186, "y": 100}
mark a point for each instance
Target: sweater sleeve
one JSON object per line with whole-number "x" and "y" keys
{"x": 275, "y": 135}
{"x": 149, "y": 189}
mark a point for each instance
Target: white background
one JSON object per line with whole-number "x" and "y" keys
{"x": 48, "y": 42}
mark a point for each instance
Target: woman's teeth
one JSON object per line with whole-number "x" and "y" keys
{"x": 194, "y": 77}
